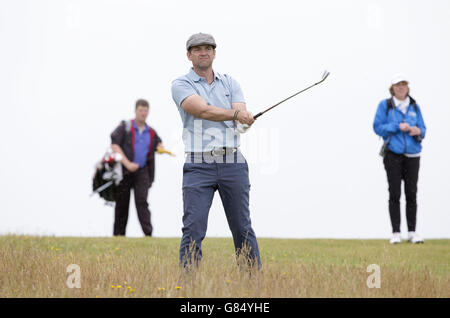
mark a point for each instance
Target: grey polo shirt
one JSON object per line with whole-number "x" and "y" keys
{"x": 200, "y": 135}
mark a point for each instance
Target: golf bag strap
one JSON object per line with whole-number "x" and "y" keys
{"x": 133, "y": 137}
{"x": 390, "y": 104}
{"x": 128, "y": 125}
{"x": 152, "y": 136}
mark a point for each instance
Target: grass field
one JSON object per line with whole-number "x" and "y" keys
{"x": 148, "y": 267}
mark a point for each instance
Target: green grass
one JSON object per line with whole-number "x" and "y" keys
{"x": 148, "y": 267}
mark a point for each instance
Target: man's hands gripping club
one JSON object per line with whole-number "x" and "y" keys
{"x": 197, "y": 106}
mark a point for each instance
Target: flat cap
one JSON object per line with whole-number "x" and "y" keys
{"x": 200, "y": 39}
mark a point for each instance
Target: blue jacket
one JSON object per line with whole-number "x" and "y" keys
{"x": 387, "y": 124}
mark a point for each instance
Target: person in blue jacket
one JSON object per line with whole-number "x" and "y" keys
{"x": 399, "y": 121}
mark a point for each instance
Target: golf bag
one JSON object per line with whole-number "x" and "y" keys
{"x": 108, "y": 174}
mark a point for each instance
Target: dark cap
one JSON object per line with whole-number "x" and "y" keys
{"x": 200, "y": 39}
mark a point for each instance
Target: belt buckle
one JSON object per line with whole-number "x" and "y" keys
{"x": 218, "y": 152}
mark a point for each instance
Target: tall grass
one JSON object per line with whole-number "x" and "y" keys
{"x": 148, "y": 267}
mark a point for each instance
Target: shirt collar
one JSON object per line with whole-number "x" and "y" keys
{"x": 194, "y": 76}
{"x": 137, "y": 128}
{"x": 398, "y": 102}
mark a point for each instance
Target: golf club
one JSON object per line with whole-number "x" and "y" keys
{"x": 103, "y": 187}
{"x": 242, "y": 128}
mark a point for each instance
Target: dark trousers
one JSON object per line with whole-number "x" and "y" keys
{"x": 139, "y": 181}
{"x": 200, "y": 181}
{"x": 398, "y": 168}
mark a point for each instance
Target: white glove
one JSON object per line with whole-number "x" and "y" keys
{"x": 242, "y": 128}
{"x": 117, "y": 157}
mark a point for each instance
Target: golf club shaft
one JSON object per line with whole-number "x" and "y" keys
{"x": 103, "y": 187}
{"x": 259, "y": 114}
{"x": 242, "y": 128}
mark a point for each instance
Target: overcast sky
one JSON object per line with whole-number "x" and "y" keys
{"x": 71, "y": 70}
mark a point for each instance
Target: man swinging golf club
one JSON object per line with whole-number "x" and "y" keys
{"x": 210, "y": 104}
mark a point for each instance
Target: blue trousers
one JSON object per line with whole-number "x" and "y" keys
{"x": 200, "y": 181}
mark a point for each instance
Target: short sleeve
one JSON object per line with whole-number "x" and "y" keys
{"x": 117, "y": 134}
{"x": 236, "y": 92}
{"x": 181, "y": 90}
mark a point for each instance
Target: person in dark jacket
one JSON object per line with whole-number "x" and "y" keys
{"x": 399, "y": 121}
{"x": 137, "y": 143}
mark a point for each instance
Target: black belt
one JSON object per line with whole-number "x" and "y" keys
{"x": 216, "y": 152}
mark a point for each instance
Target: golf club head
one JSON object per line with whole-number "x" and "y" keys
{"x": 325, "y": 75}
